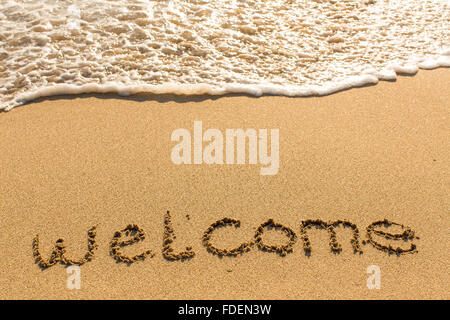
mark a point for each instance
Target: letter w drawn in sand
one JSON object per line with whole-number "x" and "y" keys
{"x": 59, "y": 252}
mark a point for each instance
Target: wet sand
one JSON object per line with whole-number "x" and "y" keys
{"x": 362, "y": 155}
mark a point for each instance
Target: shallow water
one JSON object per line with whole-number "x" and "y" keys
{"x": 287, "y": 47}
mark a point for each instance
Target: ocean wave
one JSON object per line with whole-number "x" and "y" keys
{"x": 203, "y": 47}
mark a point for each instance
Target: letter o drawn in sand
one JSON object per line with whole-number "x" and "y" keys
{"x": 282, "y": 250}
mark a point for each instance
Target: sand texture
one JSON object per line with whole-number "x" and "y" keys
{"x": 96, "y": 172}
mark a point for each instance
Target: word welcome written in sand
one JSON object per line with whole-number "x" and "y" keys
{"x": 132, "y": 234}
{"x": 214, "y": 151}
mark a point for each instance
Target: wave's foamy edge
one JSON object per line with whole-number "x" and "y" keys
{"x": 368, "y": 78}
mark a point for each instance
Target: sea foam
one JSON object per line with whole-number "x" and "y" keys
{"x": 199, "y": 47}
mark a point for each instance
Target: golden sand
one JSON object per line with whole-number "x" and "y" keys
{"x": 91, "y": 180}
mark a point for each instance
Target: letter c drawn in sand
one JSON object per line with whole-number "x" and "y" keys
{"x": 206, "y": 239}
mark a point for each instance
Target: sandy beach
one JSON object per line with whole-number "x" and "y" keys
{"x": 69, "y": 163}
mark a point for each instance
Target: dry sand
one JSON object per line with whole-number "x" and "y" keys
{"x": 362, "y": 155}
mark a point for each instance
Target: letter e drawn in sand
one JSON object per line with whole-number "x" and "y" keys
{"x": 136, "y": 234}
{"x": 406, "y": 235}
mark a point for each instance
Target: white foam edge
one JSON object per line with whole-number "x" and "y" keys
{"x": 368, "y": 77}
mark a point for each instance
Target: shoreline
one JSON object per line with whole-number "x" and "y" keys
{"x": 201, "y": 90}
